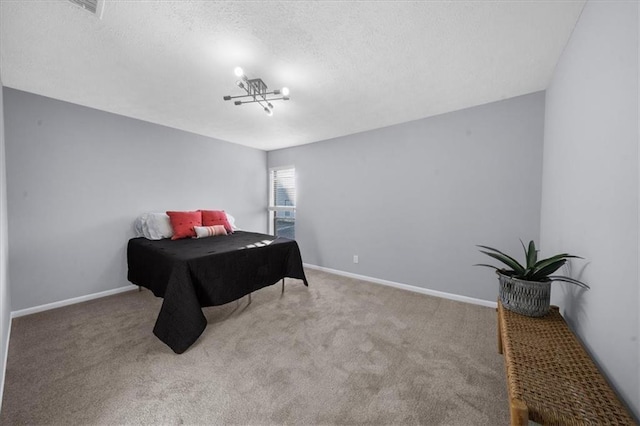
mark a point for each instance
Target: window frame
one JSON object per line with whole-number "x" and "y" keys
{"x": 271, "y": 208}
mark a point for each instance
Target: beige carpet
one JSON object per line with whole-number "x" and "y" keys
{"x": 342, "y": 351}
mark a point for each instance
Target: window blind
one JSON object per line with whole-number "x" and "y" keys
{"x": 284, "y": 187}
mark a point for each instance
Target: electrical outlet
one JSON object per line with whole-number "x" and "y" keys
{"x": 355, "y": 258}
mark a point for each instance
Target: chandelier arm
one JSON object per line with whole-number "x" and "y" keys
{"x": 228, "y": 98}
{"x": 260, "y": 101}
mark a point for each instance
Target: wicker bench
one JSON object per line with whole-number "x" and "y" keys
{"x": 550, "y": 377}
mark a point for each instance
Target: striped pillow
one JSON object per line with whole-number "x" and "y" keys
{"x": 209, "y": 231}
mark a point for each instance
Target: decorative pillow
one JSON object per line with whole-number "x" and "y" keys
{"x": 216, "y": 217}
{"x": 209, "y": 231}
{"x": 183, "y": 223}
{"x": 140, "y": 224}
{"x": 158, "y": 226}
{"x": 232, "y": 221}
{"x": 153, "y": 226}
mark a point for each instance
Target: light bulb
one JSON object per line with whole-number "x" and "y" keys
{"x": 285, "y": 91}
{"x": 238, "y": 71}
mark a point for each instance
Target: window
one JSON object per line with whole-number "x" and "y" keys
{"x": 282, "y": 202}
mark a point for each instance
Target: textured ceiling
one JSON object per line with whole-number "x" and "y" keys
{"x": 350, "y": 66}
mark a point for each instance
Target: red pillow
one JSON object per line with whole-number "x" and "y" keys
{"x": 183, "y": 223}
{"x": 216, "y": 217}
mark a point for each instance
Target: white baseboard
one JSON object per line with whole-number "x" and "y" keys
{"x": 5, "y": 350}
{"x": 61, "y": 303}
{"x": 435, "y": 293}
{"x": 407, "y": 287}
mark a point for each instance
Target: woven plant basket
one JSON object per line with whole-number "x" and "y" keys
{"x": 530, "y": 298}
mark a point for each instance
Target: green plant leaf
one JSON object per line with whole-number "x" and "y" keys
{"x": 545, "y": 271}
{"x": 544, "y": 262}
{"x": 526, "y": 255}
{"x": 511, "y": 263}
{"x": 568, "y": 280}
{"x": 504, "y": 258}
{"x": 532, "y": 255}
{"x": 488, "y": 266}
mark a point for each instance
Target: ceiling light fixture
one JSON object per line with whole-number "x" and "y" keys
{"x": 256, "y": 92}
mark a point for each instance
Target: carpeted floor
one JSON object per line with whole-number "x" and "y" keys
{"x": 342, "y": 351}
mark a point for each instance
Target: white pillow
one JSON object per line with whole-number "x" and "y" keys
{"x": 232, "y": 221}
{"x": 153, "y": 226}
{"x": 159, "y": 226}
{"x": 209, "y": 231}
{"x": 139, "y": 224}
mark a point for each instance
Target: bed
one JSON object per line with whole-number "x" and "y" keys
{"x": 190, "y": 274}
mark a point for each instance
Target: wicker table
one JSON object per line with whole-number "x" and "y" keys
{"x": 550, "y": 377}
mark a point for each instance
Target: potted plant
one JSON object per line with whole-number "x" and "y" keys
{"x": 527, "y": 289}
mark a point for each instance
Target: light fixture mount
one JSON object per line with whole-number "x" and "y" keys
{"x": 257, "y": 92}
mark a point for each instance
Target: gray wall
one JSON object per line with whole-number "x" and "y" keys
{"x": 590, "y": 185}
{"x": 413, "y": 200}
{"x": 77, "y": 178}
{"x": 5, "y": 303}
